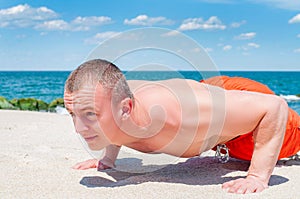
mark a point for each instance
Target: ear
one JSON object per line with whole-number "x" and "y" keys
{"x": 126, "y": 106}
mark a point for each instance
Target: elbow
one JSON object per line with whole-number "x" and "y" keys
{"x": 283, "y": 107}
{"x": 282, "y": 110}
{"x": 277, "y": 105}
{"x": 278, "y": 110}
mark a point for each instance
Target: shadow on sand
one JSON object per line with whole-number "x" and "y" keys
{"x": 195, "y": 171}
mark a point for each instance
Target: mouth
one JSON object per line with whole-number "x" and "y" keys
{"x": 90, "y": 138}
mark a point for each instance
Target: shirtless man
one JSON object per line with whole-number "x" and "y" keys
{"x": 178, "y": 117}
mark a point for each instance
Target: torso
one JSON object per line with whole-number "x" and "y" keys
{"x": 187, "y": 117}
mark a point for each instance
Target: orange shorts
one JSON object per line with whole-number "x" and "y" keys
{"x": 242, "y": 146}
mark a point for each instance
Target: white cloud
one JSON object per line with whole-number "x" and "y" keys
{"x": 85, "y": 23}
{"x": 249, "y": 46}
{"x": 53, "y": 25}
{"x": 43, "y": 18}
{"x": 25, "y": 16}
{"x": 253, "y": 45}
{"x": 298, "y": 35}
{"x": 238, "y": 24}
{"x": 92, "y": 21}
{"x": 295, "y": 19}
{"x": 227, "y": 47}
{"x": 144, "y": 20}
{"x": 213, "y": 23}
{"x": 99, "y": 37}
{"x": 26, "y": 11}
{"x": 245, "y": 36}
{"x": 208, "y": 50}
{"x": 171, "y": 33}
{"x": 297, "y": 50}
{"x": 78, "y": 24}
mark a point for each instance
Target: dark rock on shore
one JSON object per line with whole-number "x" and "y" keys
{"x": 55, "y": 103}
{"x": 30, "y": 104}
{"x": 4, "y": 104}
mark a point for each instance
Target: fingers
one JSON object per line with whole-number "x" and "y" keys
{"x": 229, "y": 184}
{"x": 234, "y": 186}
{"x": 88, "y": 164}
{"x": 243, "y": 186}
{"x": 78, "y": 166}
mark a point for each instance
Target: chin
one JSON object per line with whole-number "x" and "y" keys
{"x": 96, "y": 146}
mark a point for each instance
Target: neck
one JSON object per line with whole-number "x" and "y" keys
{"x": 136, "y": 127}
{"x": 140, "y": 116}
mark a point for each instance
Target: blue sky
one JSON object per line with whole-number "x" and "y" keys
{"x": 237, "y": 34}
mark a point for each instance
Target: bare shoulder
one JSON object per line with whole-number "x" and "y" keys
{"x": 179, "y": 88}
{"x": 136, "y": 85}
{"x": 255, "y": 99}
{"x": 244, "y": 109}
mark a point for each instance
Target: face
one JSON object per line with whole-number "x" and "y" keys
{"x": 93, "y": 117}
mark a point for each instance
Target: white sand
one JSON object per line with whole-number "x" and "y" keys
{"x": 38, "y": 149}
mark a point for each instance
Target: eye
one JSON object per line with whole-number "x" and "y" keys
{"x": 90, "y": 115}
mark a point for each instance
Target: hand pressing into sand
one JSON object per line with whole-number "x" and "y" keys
{"x": 250, "y": 184}
{"x": 107, "y": 162}
{"x": 90, "y": 164}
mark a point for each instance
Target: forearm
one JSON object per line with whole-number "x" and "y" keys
{"x": 110, "y": 155}
{"x": 268, "y": 138}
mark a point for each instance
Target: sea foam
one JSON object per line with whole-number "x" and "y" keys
{"x": 290, "y": 97}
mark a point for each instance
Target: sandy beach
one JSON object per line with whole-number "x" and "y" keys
{"x": 39, "y": 149}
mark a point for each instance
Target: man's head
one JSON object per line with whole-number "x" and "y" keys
{"x": 97, "y": 96}
{"x": 100, "y": 71}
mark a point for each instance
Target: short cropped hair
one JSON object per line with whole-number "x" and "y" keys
{"x": 100, "y": 71}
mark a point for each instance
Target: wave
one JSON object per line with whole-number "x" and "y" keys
{"x": 61, "y": 110}
{"x": 290, "y": 97}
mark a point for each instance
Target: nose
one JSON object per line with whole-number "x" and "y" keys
{"x": 80, "y": 126}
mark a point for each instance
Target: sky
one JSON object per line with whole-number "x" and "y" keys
{"x": 238, "y": 35}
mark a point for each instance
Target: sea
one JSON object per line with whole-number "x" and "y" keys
{"x": 49, "y": 85}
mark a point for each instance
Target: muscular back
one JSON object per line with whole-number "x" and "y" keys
{"x": 188, "y": 117}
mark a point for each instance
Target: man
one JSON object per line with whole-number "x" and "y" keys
{"x": 178, "y": 117}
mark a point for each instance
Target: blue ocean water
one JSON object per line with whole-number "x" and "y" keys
{"x": 49, "y": 85}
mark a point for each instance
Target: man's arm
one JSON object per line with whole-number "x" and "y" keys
{"x": 107, "y": 161}
{"x": 110, "y": 155}
{"x": 268, "y": 138}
